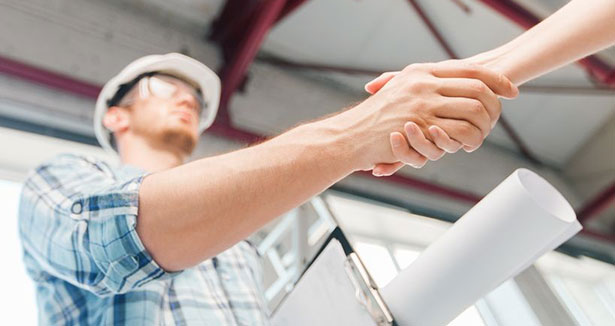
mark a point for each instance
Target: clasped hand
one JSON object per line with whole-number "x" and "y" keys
{"x": 455, "y": 106}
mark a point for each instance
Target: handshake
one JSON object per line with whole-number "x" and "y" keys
{"x": 425, "y": 111}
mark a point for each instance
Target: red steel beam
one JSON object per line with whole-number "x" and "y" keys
{"x": 233, "y": 18}
{"x": 234, "y": 71}
{"x": 291, "y": 6}
{"x": 281, "y": 62}
{"x": 598, "y": 68}
{"x": 598, "y": 204}
{"x": 434, "y": 31}
{"x": 81, "y": 88}
{"x": 48, "y": 78}
{"x": 598, "y": 235}
{"x": 240, "y": 30}
{"x": 428, "y": 187}
{"x": 508, "y": 128}
{"x": 462, "y": 6}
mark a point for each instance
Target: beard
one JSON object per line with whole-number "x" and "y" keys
{"x": 171, "y": 138}
{"x": 178, "y": 138}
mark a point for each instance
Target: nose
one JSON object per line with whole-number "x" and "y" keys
{"x": 187, "y": 99}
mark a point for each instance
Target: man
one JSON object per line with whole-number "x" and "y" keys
{"x": 157, "y": 241}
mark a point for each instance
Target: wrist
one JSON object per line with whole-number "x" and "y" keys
{"x": 344, "y": 138}
{"x": 497, "y": 60}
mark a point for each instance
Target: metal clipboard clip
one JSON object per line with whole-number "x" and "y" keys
{"x": 366, "y": 291}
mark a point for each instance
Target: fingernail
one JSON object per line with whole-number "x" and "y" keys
{"x": 433, "y": 132}
{"x": 411, "y": 127}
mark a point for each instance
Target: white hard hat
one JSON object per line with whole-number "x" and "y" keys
{"x": 173, "y": 63}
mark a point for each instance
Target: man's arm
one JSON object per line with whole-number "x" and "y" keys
{"x": 192, "y": 212}
{"x": 578, "y": 29}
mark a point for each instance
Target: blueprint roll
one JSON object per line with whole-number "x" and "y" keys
{"x": 515, "y": 224}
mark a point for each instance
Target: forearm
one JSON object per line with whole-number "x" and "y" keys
{"x": 580, "y": 28}
{"x": 192, "y": 212}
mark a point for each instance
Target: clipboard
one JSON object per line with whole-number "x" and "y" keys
{"x": 334, "y": 289}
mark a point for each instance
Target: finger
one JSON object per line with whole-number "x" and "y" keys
{"x": 442, "y": 140}
{"x": 499, "y": 83}
{"x": 470, "y": 149}
{"x": 475, "y": 89}
{"x": 422, "y": 145}
{"x": 462, "y": 131}
{"x": 387, "y": 169}
{"x": 377, "y": 83}
{"x": 405, "y": 153}
{"x": 470, "y": 110}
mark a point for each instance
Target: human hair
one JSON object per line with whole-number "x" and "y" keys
{"x": 127, "y": 97}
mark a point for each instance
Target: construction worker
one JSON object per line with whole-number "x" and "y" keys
{"x": 156, "y": 240}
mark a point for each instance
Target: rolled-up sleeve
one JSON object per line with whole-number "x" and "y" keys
{"x": 79, "y": 224}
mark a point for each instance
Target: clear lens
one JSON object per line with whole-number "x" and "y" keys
{"x": 167, "y": 87}
{"x": 161, "y": 88}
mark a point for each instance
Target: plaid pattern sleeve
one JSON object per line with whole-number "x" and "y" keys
{"x": 78, "y": 222}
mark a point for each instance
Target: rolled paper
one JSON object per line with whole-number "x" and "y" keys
{"x": 517, "y": 222}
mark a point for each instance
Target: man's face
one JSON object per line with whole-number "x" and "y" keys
{"x": 166, "y": 111}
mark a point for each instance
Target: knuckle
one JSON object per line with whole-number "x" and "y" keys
{"x": 388, "y": 74}
{"x": 419, "y": 104}
{"x": 476, "y": 107}
{"x": 475, "y": 68}
{"x": 418, "y": 85}
{"x": 479, "y": 87}
{"x": 472, "y": 70}
{"x": 502, "y": 80}
{"x": 466, "y": 129}
{"x": 411, "y": 67}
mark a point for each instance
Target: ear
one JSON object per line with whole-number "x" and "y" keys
{"x": 116, "y": 119}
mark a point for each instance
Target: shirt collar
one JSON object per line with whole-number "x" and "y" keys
{"x": 127, "y": 171}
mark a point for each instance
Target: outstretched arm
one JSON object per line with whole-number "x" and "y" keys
{"x": 578, "y": 29}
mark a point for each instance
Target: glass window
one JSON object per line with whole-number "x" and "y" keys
{"x": 584, "y": 285}
{"x": 379, "y": 261}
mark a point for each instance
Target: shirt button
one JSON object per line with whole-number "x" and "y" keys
{"x": 77, "y": 207}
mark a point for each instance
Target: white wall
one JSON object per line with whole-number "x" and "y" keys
{"x": 17, "y": 302}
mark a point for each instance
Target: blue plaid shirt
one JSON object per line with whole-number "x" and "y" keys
{"x": 77, "y": 224}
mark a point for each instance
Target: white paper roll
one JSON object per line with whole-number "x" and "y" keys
{"x": 515, "y": 224}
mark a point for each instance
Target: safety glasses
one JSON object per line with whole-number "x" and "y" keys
{"x": 162, "y": 86}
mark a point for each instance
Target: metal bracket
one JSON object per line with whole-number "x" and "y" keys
{"x": 367, "y": 291}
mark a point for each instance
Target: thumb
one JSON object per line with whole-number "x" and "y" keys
{"x": 377, "y": 83}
